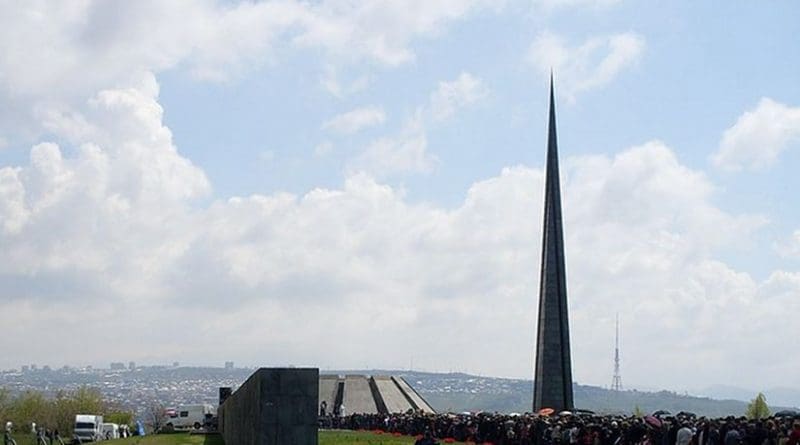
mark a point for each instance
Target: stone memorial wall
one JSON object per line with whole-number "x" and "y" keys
{"x": 274, "y": 406}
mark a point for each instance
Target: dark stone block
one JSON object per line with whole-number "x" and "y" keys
{"x": 274, "y": 406}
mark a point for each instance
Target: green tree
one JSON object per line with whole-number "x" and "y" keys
{"x": 55, "y": 412}
{"x": 758, "y": 408}
{"x": 637, "y": 412}
{"x": 119, "y": 417}
{"x": 5, "y": 401}
{"x": 28, "y": 407}
{"x": 88, "y": 401}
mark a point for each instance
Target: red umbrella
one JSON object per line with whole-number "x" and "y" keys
{"x": 546, "y": 411}
{"x": 653, "y": 421}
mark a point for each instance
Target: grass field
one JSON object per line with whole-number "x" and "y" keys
{"x": 325, "y": 438}
{"x": 361, "y": 438}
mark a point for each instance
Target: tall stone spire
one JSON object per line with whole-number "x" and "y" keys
{"x": 553, "y": 372}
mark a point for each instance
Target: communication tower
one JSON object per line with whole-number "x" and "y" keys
{"x": 616, "y": 382}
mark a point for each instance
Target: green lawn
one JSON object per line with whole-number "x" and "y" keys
{"x": 325, "y": 438}
{"x": 361, "y": 438}
{"x": 160, "y": 439}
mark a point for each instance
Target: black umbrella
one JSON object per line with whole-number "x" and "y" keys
{"x": 787, "y": 413}
{"x": 662, "y": 412}
{"x": 687, "y": 414}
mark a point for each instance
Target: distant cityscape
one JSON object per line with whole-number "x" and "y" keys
{"x": 134, "y": 387}
{"x": 128, "y": 385}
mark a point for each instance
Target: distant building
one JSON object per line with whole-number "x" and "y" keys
{"x": 228, "y": 365}
{"x": 131, "y": 366}
{"x": 25, "y": 368}
{"x": 117, "y": 366}
{"x": 34, "y": 367}
{"x": 176, "y": 364}
{"x": 46, "y": 368}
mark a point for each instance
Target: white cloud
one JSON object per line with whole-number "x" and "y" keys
{"x": 407, "y": 152}
{"x": 758, "y": 137}
{"x": 214, "y": 38}
{"x": 91, "y": 46}
{"x": 450, "y": 96}
{"x": 791, "y": 247}
{"x": 102, "y": 227}
{"x": 592, "y": 64}
{"x": 331, "y": 82}
{"x": 404, "y": 153}
{"x": 12, "y": 200}
{"x": 382, "y": 31}
{"x": 556, "y": 4}
{"x": 355, "y": 120}
{"x": 105, "y": 209}
{"x": 323, "y": 149}
{"x": 113, "y": 222}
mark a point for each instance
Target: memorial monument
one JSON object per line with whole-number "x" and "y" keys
{"x": 376, "y": 394}
{"x": 275, "y": 406}
{"x": 552, "y": 387}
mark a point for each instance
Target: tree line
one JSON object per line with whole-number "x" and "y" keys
{"x": 57, "y": 411}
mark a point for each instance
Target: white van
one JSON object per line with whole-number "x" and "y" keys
{"x": 110, "y": 431}
{"x": 88, "y": 427}
{"x": 187, "y": 416}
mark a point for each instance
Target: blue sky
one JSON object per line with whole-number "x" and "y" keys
{"x": 303, "y": 159}
{"x": 700, "y": 68}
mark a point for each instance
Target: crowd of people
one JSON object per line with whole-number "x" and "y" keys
{"x": 576, "y": 429}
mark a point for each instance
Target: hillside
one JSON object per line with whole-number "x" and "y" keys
{"x": 463, "y": 392}
{"x": 134, "y": 389}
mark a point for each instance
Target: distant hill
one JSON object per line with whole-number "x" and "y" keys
{"x": 776, "y": 396}
{"x": 458, "y": 392}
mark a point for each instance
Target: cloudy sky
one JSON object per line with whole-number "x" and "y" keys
{"x": 352, "y": 184}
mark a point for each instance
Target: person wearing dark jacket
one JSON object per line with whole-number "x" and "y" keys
{"x": 426, "y": 439}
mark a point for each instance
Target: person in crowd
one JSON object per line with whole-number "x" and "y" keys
{"x": 40, "y": 436}
{"x": 426, "y": 439}
{"x": 794, "y": 437}
{"x": 684, "y": 435}
{"x": 772, "y": 433}
{"x": 713, "y": 434}
{"x": 732, "y": 436}
{"x": 7, "y": 439}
